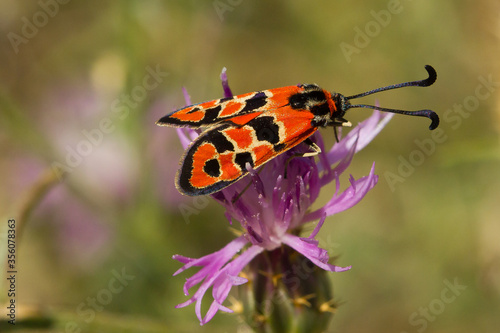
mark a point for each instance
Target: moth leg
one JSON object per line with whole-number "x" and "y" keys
{"x": 336, "y": 134}
{"x": 315, "y": 151}
{"x": 342, "y": 123}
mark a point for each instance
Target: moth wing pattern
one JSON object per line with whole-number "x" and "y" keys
{"x": 237, "y": 109}
{"x": 218, "y": 157}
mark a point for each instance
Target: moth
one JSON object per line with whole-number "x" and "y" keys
{"x": 255, "y": 127}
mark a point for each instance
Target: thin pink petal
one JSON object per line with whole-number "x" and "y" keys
{"x": 311, "y": 251}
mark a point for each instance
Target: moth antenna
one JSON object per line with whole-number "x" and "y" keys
{"x": 419, "y": 83}
{"x": 420, "y": 113}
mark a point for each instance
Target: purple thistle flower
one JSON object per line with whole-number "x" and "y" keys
{"x": 273, "y": 209}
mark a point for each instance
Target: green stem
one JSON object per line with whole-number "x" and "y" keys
{"x": 40, "y": 188}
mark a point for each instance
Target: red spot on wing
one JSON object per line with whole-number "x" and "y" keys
{"x": 279, "y": 96}
{"x": 184, "y": 114}
{"x": 230, "y": 108}
{"x": 188, "y": 115}
{"x": 209, "y": 104}
{"x": 242, "y": 120}
{"x": 242, "y": 136}
{"x": 229, "y": 170}
{"x": 263, "y": 153}
{"x": 199, "y": 178}
{"x": 205, "y": 152}
{"x": 296, "y": 125}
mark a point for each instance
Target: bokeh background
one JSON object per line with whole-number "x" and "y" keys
{"x": 89, "y": 177}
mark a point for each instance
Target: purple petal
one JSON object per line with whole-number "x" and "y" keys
{"x": 350, "y": 197}
{"x": 363, "y": 134}
{"x": 256, "y": 180}
{"x": 187, "y": 99}
{"x": 185, "y": 141}
{"x": 210, "y": 272}
{"x": 225, "y": 85}
{"x": 211, "y": 262}
{"x": 311, "y": 251}
{"x": 226, "y": 278}
{"x": 318, "y": 226}
{"x": 372, "y": 127}
{"x": 344, "y": 161}
{"x": 218, "y": 272}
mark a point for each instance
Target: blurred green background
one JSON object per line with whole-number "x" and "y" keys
{"x": 75, "y": 76}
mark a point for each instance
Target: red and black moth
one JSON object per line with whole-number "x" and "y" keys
{"x": 255, "y": 127}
